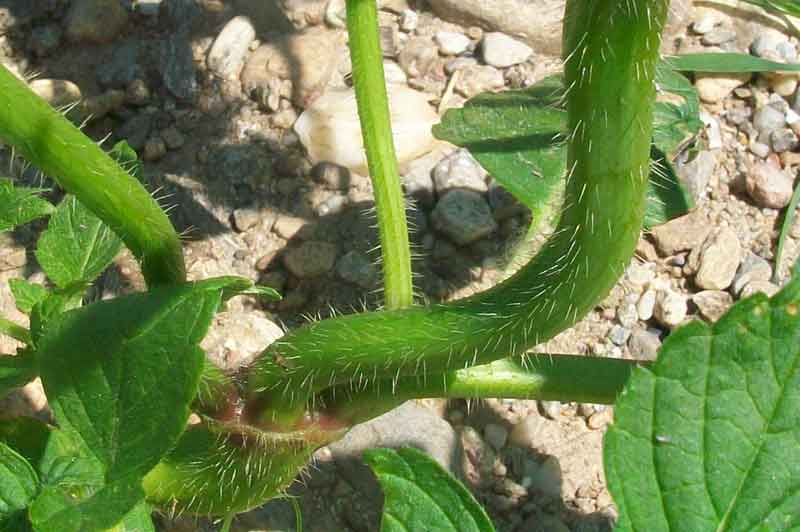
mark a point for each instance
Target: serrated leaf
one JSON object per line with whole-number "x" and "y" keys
{"x": 18, "y": 482}
{"x": 16, "y": 371}
{"x": 26, "y": 294}
{"x": 53, "y": 305}
{"x": 76, "y": 246}
{"x": 120, "y": 374}
{"x": 518, "y": 137}
{"x": 127, "y": 158}
{"x": 58, "y": 510}
{"x": 20, "y": 205}
{"x": 420, "y": 495}
{"x": 726, "y": 62}
{"x": 709, "y": 437}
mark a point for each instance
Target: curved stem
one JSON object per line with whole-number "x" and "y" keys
{"x": 538, "y": 376}
{"x": 373, "y": 110}
{"x": 54, "y": 145}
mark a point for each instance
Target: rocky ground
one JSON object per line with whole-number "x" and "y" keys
{"x": 208, "y": 93}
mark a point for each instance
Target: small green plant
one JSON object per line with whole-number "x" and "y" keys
{"x": 122, "y": 376}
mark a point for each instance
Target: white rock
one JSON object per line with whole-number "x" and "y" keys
{"x": 227, "y": 54}
{"x": 501, "y": 51}
{"x": 769, "y": 186}
{"x": 713, "y": 88}
{"x": 330, "y": 131}
{"x": 459, "y": 170}
{"x": 719, "y": 258}
{"x": 237, "y": 337}
{"x": 646, "y": 304}
{"x": 451, "y": 42}
{"x": 670, "y": 309}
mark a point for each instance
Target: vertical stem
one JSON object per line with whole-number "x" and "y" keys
{"x": 373, "y": 110}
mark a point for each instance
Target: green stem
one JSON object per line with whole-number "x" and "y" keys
{"x": 546, "y": 377}
{"x": 786, "y": 226}
{"x": 373, "y": 110}
{"x": 54, "y": 145}
{"x": 17, "y": 332}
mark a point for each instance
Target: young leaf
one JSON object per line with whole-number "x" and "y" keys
{"x": 26, "y": 294}
{"x": 16, "y": 371}
{"x": 18, "y": 482}
{"x": 20, "y": 205}
{"x": 12, "y": 330}
{"x": 727, "y": 62}
{"x": 57, "y": 510}
{"x": 52, "y": 306}
{"x": 518, "y": 136}
{"x": 707, "y": 439}
{"x": 77, "y": 246}
{"x": 127, "y": 158}
{"x": 420, "y": 495}
{"x": 120, "y": 374}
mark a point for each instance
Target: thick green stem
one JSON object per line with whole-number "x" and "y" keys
{"x": 546, "y": 377}
{"x": 54, "y": 145}
{"x": 373, "y": 110}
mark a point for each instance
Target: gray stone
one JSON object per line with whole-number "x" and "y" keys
{"x": 310, "y": 259}
{"x": 619, "y": 335}
{"x": 766, "y": 44}
{"x": 418, "y": 57}
{"x": 503, "y": 203}
{"x": 308, "y": 59}
{"x": 767, "y": 119}
{"x": 149, "y": 8}
{"x": 237, "y": 337}
{"x": 476, "y": 79}
{"x": 331, "y": 176}
{"x": 718, "y": 259}
{"x": 464, "y": 216}
{"x": 45, "y": 39}
{"x": 95, "y": 21}
{"x": 644, "y": 344}
{"x": 289, "y": 227}
{"x": 137, "y": 93}
{"x": 122, "y": 68}
{"x": 496, "y": 435}
{"x": 627, "y": 315}
{"x": 154, "y": 149}
{"x": 245, "y": 218}
{"x": 177, "y": 66}
{"x": 136, "y": 130}
{"x": 226, "y": 56}
{"x": 501, "y": 51}
{"x": 551, "y": 409}
{"x": 696, "y": 173}
{"x": 355, "y": 267}
{"x": 333, "y": 204}
{"x": 418, "y": 181}
{"x": 409, "y": 20}
{"x": 759, "y": 149}
{"x": 173, "y": 138}
{"x": 768, "y": 185}
{"x": 459, "y": 171}
{"x": 451, "y": 43}
{"x": 646, "y": 304}
{"x": 759, "y": 287}
{"x": 752, "y": 268}
{"x": 410, "y": 425}
{"x": 718, "y": 36}
{"x": 670, "y": 309}
{"x": 783, "y": 140}
{"x": 712, "y": 304}
{"x": 681, "y": 234}
{"x": 715, "y": 87}
{"x": 704, "y": 24}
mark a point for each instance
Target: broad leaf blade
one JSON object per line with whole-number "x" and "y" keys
{"x": 666, "y": 197}
{"x": 420, "y": 495}
{"x": 20, "y": 205}
{"x": 675, "y": 125}
{"x": 26, "y": 294}
{"x": 120, "y": 374}
{"x": 56, "y": 509}
{"x": 16, "y": 371}
{"x": 137, "y": 520}
{"x": 18, "y": 482}
{"x": 709, "y": 438}
{"x": 77, "y": 246}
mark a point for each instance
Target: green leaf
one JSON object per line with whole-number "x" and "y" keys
{"x": 20, "y": 205}
{"x": 120, "y": 374}
{"x": 787, "y": 7}
{"x": 666, "y": 197}
{"x": 518, "y": 137}
{"x": 16, "y": 371}
{"x": 137, "y": 520}
{"x": 18, "y": 482}
{"x": 12, "y": 330}
{"x": 709, "y": 437}
{"x": 675, "y": 125}
{"x": 127, "y": 158}
{"x": 727, "y": 62}
{"x": 26, "y": 294}
{"x": 58, "y": 510}
{"x": 420, "y": 495}
{"x": 264, "y": 292}
{"x": 52, "y": 306}
{"x": 786, "y": 227}
{"x": 16, "y": 522}
{"x": 77, "y": 246}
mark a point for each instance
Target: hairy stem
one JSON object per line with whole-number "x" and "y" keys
{"x": 373, "y": 111}
{"x": 54, "y": 145}
{"x": 545, "y": 377}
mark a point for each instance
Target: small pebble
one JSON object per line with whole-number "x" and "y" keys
{"x": 451, "y": 43}
{"x": 670, "y": 309}
{"x": 495, "y": 435}
{"x": 768, "y": 185}
{"x": 712, "y": 304}
{"x": 551, "y": 409}
{"x": 501, "y": 51}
